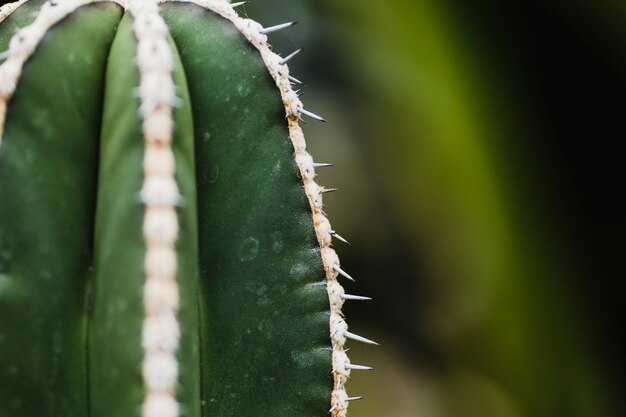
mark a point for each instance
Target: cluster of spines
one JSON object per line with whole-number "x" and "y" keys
{"x": 161, "y": 332}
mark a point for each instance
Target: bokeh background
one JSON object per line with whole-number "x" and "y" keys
{"x": 479, "y": 152}
{"x": 478, "y": 149}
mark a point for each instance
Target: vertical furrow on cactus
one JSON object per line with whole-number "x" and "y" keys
{"x": 146, "y": 278}
{"x": 48, "y": 176}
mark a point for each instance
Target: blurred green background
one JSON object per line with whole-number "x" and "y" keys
{"x": 478, "y": 155}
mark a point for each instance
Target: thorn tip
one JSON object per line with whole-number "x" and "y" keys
{"x": 361, "y": 339}
{"x": 313, "y": 115}
{"x": 359, "y": 367}
{"x": 322, "y": 165}
{"x": 343, "y": 273}
{"x": 295, "y": 80}
{"x": 356, "y": 297}
{"x": 355, "y": 398}
{"x": 290, "y": 56}
{"x": 339, "y": 238}
{"x": 272, "y": 29}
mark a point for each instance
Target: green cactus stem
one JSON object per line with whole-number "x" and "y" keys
{"x": 163, "y": 246}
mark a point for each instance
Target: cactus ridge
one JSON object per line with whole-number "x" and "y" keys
{"x": 160, "y": 196}
{"x": 294, "y": 108}
{"x": 156, "y": 62}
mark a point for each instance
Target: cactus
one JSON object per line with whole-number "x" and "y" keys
{"x": 163, "y": 245}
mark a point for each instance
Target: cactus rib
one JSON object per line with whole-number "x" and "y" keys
{"x": 48, "y": 171}
{"x": 277, "y": 67}
{"x": 160, "y": 76}
{"x": 160, "y": 196}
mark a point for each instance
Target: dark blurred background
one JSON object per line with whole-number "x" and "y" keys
{"x": 478, "y": 155}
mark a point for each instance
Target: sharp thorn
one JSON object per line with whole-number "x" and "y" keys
{"x": 322, "y": 165}
{"x": 272, "y": 29}
{"x": 328, "y": 190}
{"x": 359, "y": 367}
{"x": 354, "y": 398}
{"x": 339, "y": 238}
{"x": 290, "y": 56}
{"x": 313, "y": 115}
{"x": 332, "y": 409}
{"x": 295, "y": 80}
{"x": 355, "y": 297}
{"x": 238, "y": 4}
{"x": 360, "y": 338}
{"x": 343, "y": 273}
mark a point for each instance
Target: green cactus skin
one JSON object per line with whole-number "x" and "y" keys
{"x": 118, "y": 310}
{"x": 254, "y": 302}
{"x": 48, "y": 177}
{"x": 271, "y": 244}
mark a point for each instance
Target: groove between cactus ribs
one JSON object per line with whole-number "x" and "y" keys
{"x": 160, "y": 195}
